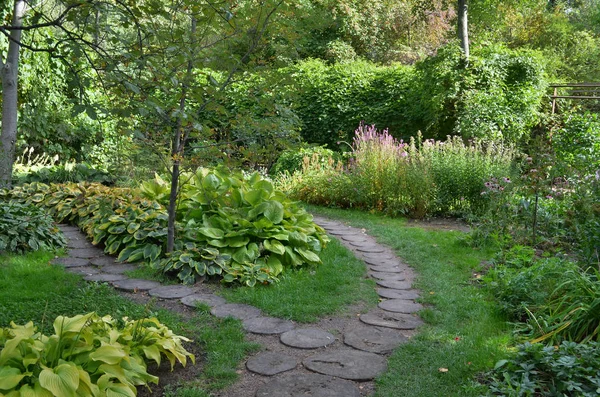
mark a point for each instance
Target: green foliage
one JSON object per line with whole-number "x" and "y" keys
{"x": 229, "y": 225}
{"x": 68, "y": 172}
{"x": 238, "y": 226}
{"x": 570, "y": 369}
{"x": 26, "y": 227}
{"x": 332, "y": 100}
{"x": 524, "y": 287}
{"x": 87, "y": 355}
{"x": 497, "y": 96}
{"x": 417, "y": 179}
{"x": 577, "y": 143}
{"x": 292, "y": 160}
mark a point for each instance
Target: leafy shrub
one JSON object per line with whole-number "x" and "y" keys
{"x": 68, "y": 172}
{"x": 570, "y": 369}
{"x": 524, "y": 287}
{"x": 292, "y": 160}
{"x": 239, "y": 226}
{"x": 577, "y": 143}
{"x": 25, "y": 227}
{"x": 496, "y": 97}
{"x": 88, "y": 355}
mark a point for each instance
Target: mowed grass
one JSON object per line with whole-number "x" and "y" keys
{"x": 465, "y": 333}
{"x": 33, "y": 290}
{"x": 307, "y": 294}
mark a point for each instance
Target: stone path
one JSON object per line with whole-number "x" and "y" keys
{"x": 337, "y": 357}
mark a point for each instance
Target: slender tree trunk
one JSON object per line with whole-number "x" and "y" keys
{"x": 9, "y": 70}
{"x": 178, "y": 146}
{"x": 463, "y": 31}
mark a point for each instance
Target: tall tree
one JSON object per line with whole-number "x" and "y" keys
{"x": 9, "y": 70}
{"x": 463, "y": 26}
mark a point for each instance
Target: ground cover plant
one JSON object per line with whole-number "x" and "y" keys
{"x": 229, "y": 225}
{"x": 46, "y": 292}
{"x": 87, "y": 355}
{"x": 25, "y": 227}
{"x": 466, "y": 333}
{"x": 417, "y": 178}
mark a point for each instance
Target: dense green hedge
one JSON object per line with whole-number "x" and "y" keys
{"x": 496, "y": 95}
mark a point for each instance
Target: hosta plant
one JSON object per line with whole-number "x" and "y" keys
{"x": 229, "y": 225}
{"x": 25, "y": 227}
{"x": 88, "y": 355}
{"x": 238, "y": 226}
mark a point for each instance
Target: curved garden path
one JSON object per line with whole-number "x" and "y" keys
{"x": 336, "y": 357}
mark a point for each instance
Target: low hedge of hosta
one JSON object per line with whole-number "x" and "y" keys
{"x": 229, "y": 225}
{"x": 88, "y": 355}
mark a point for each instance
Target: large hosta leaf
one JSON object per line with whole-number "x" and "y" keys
{"x": 10, "y": 377}
{"x": 61, "y": 381}
{"x": 274, "y": 211}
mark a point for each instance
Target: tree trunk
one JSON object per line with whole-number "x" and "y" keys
{"x": 10, "y": 72}
{"x": 178, "y": 146}
{"x": 463, "y": 31}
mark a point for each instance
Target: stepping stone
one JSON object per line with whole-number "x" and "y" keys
{"x": 371, "y": 249}
{"x": 171, "y": 291}
{"x": 103, "y": 277}
{"x": 77, "y": 243}
{"x": 135, "y": 284}
{"x": 206, "y": 299}
{"x": 343, "y": 232}
{"x": 374, "y": 339}
{"x": 381, "y": 257}
{"x": 71, "y": 262}
{"x": 271, "y": 363}
{"x": 394, "y": 284}
{"x": 305, "y": 385}
{"x": 347, "y": 364}
{"x": 382, "y": 318}
{"x": 85, "y": 253}
{"x": 235, "y": 310}
{"x": 103, "y": 261}
{"x": 362, "y": 239}
{"x": 75, "y": 234}
{"x": 68, "y": 228}
{"x": 388, "y": 268}
{"x": 84, "y": 270}
{"x": 400, "y": 306}
{"x": 397, "y": 294}
{"x": 387, "y": 276}
{"x": 382, "y": 262}
{"x": 307, "y": 338}
{"x": 268, "y": 325}
{"x": 118, "y": 269}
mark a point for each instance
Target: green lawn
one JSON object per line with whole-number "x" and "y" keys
{"x": 307, "y": 294}
{"x": 465, "y": 332}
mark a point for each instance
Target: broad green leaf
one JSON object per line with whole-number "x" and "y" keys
{"x": 63, "y": 325}
{"x": 274, "y": 211}
{"x": 210, "y": 182}
{"x": 108, "y": 354}
{"x": 238, "y": 241}
{"x": 132, "y": 227}
{"x": 308, "y": 255}
{"x": 254, "y": 197}
{"x": 241, "y": 255}
{"x": 61, "y": 381}
{"x": 10, "y": 377}
{"x": 211, "y": 232}
{"x": 114, "y": 247}
{"x": 124, "y": 255}
{"x": 35, "y": 391}
{"x": 274, "y": 246}
{"x": 152, "y": 352}
{"x": 186, "y": 257}
{"x": 275, "y": 265}
{"x": 116, "y": 229}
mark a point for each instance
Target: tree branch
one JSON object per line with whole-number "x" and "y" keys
{"x": 54, "y": 22}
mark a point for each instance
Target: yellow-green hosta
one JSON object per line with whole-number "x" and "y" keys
{"x": 88, "y": 355}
